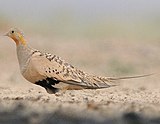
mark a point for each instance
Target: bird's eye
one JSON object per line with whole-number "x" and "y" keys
{"x": 12, "y": 32}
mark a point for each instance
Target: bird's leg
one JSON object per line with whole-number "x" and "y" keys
{"x": 45, "y": 84}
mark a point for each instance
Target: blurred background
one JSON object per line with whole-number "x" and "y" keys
{"x": 132, "y": 19}
{"x": 101, "y": 37}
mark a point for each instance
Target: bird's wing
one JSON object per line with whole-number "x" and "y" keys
{"x": 52, "y": 66}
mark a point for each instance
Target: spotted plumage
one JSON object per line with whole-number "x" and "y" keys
{"x": 52, "y": 72}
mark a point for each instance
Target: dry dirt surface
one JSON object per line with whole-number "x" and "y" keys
{"x": 135, "y": 101}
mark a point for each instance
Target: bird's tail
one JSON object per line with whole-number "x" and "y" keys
{"x": 114, "y": 81}
{"x": 126, "y": 77}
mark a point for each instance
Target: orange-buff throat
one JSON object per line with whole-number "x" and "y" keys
{"x": 21, "y": 39}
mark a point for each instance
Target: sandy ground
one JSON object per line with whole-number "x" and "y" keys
{"x": 133, "y": 101}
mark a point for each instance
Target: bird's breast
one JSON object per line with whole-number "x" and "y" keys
{"x": 31, "y": 74}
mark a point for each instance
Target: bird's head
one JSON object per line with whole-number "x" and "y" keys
{"x": 16, "y": 35}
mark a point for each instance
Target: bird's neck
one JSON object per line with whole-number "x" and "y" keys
{"x": 24, "y": 53}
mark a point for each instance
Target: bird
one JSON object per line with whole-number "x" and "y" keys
{"x": 52, "y": 72}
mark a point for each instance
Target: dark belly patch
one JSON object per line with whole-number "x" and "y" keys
{"x": 47, "y": 84}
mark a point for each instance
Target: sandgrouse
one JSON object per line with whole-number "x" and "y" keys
{"x": 50, "y": 71}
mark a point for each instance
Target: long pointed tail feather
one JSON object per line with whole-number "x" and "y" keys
{"x": 128, "y": 77}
